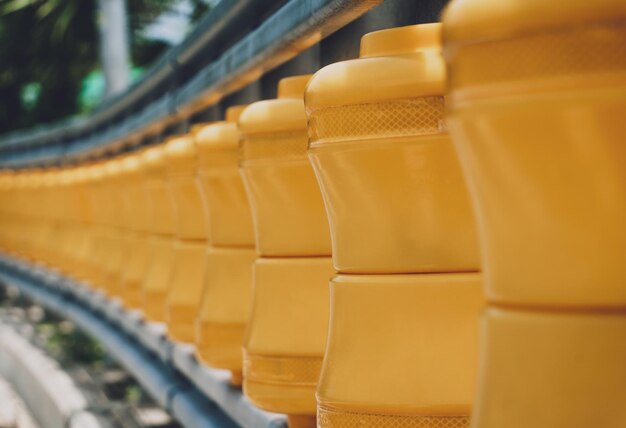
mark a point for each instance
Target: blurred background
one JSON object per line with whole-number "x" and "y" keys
{"x": 60, "y": 58}
{"x": 115, "y": 397}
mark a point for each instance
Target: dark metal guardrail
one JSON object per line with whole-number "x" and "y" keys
{"x": 195, "y": 395}
{"x": 232, "y": 46}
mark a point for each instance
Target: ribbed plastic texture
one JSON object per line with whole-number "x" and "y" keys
{"x": 558, "y": 54}
{"x": 333, "y": 419}
{"x": 274, "y": 146}
{"x": 291, "y": 370}
{"x": 399, "y": 118}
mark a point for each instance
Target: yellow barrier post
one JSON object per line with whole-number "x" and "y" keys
{"x": 79, "y": 215}
{"x": 90, "y": 271}
{"x": 136, "y": 213}
{"x": 405, "y": 304}
{"x": 114, "y": 244}
{"x": 162, "y": 222}
{"x": 7, "y": 204}
{"x": 190, "y": 249}
{"x": 287, "y": 331}
{"x": 25, "y": 185}
{"x": 228, "y": 284}
{"x": 537, "y": 108}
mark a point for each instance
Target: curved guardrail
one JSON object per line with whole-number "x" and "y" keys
{"x": 195, "y": 395}
{"x": 189, "y": 77}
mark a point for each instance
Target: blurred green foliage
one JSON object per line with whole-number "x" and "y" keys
{"x": 48, "y": 47}
{"x": 72, "y": 346}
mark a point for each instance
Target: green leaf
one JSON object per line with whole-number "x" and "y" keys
{"x": 10, "y": 6}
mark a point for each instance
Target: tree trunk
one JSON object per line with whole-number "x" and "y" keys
{"x": 114, "y": 49}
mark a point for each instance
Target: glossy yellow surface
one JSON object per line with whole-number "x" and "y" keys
{"x": 190, "y": 249}
{"x": 185, "y": 289}
{"x": 26, "y": 190}
{"x": 229, "y": 216}
{"x": 55, "y": 231}
{"x": 225, "y": 305}
{"x": 488, "y": 20}
{"x": 116, "y": 235}
{"x": 282, "y": 359}
{"x": 181, "y": 155}
{"x": 98, "y": 223}
{"x": 558, "y": 366}
{"x": 80, "y": 205}
{"x": 417, "y": 178}
{"x": 279, "y": 179}
{"x": 161, "y": 222}
{"x": 61, "y": 216}
{"x": 134, "y": 210}
{"x": 61, "y": 231}
{"x": 50, "y": 181}
{"x": 412, "y": 339}
{"x": 157, "y": 278}
{"x": 107, "y": 249}
{"x": 162, "y": 213}
{"x": 538, "y": 97}
{"x": 402, "y": 346}
{"x": 97, "y": 247}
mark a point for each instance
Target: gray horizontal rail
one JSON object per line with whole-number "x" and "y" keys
{"x": 195, "y": 395}
{"x": 295, "y": 26}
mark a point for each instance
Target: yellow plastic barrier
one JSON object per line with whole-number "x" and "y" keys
{"x": 7, "y": 204}
{"x": 161, "y": 218}
{"x": 6, "y": 220}
{"x": 91, "y": 270}
{"x": 402, "y": 349}
{"x": 20, "y": 185}
{"x": 93, "y": 274}
{"x": 113, "y": 240}
{"x": 86, "y": 216}
{"x": 67, "y": 235}
{"x": 287, "y": 331}
{"x": 537, "y": 109}
{"x": 78, "y": 214}
{"x": 58, "y": 244}
{"x": 15, "y": 204}
{"x": 37, "y": 196}
{"x": 228, "y": 284}
{"x": 190, "y": 249}
{"x": 135, "y": 208}
{"x": 42, "y": 194}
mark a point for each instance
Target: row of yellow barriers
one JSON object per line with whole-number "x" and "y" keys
{"x": 231, "y": 233}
